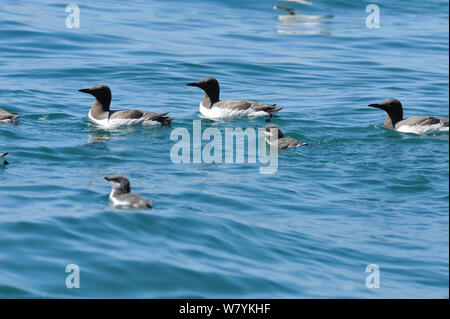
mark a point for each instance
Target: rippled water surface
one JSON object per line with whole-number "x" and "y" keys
{"x": 358, "y": 195}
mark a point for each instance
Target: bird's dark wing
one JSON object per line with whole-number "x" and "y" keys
{"x": 136, "y": 114}
{"x": 286, "y": 142}
{"x": 244, "y": 105}
{"x": 159, "y": 117}
{"x": 135, "y": 200}
{"x": 233, "y": 104}
{"x": 126, "y": 114}
{"x": 264, "y": 107}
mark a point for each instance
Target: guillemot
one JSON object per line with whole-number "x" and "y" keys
{"x": 8, "y": 117}
{"x": 3, "y": 161}
{"x": 276, "y": 137}
{"x": 211, "y": 107}
{"x": 120, "y": 195}
{"x": 101, "y": 114}
{"x": 416, "y": 124}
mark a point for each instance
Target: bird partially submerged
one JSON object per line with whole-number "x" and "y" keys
{"x": 276, "y": 137}
{"x": 121, "y": 195}
{"x": 212, "y": 107}
{"x": 416, "y": 124}
{"x": 8, "y": 117}
{"x": 101, "y": 114}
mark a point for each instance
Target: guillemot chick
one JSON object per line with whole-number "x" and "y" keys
{"x": 121, "y": 195}
{"x": 416, "y": 124}
{"x": 276, "y": 137}
{"x": 101, "y": 114}
{"x": 211, "y": 107}
{"x": 3, "y": 161}
{"x": 7, "y": 117}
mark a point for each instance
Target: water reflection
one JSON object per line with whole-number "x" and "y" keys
{"x": 300, "y": 1}
{"x": 295, "y": 23}
{"x": 98, "y": 138}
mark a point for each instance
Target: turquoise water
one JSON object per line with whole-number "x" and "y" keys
{"x": 358, "y": 195}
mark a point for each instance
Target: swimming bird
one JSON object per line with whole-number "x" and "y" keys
{"x": 101, "y": 114}
{"x": 8, "y": 117}
{"x": 3, "y": 160}
{"x": 289, "y": 11}
{"x": 120, "y": 195}
{"x": 211, "y": 107}
{"x": 415, "y": 124}
{"x": 276, "y": 137}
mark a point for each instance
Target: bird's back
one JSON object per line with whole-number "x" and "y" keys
{"x": 244, "y": 105}
{"x": 286, "y": 142}
{"x": 134, "y": 200}
{"x": 126, "y": 114}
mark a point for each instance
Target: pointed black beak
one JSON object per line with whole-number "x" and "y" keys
{"x": 85, "y": 91}
{"x": 192, "y": 84}
{"x": 376, "y": 105}
{"x": 107, "y": 178}
{"x": 4, "y": 154}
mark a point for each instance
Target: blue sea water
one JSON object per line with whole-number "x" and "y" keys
{"x": 359, "y": 195}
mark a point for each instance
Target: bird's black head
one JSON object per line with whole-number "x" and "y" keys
{"x": 101, "y": 92}
{"x": 119, "y": 182}
{"x": 272, "y": 132}
{"x": 206, "y": 83}
{"x": 210, "y": 86}
{"x": 393, "y": 108}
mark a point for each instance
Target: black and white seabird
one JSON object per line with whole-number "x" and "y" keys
{"x": 3, "y": 161}
{"x": 121, "y": 197}
{"x": 7, "y": 117}
{"x": 276, "y": 137}
{"x": 416, "y": 124}
{"x": 211, "y": 107}
{"x": 103, "y": 116}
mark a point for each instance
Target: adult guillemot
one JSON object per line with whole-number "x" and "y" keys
{"x": 416, "y": 124}
{"x": 3, "y": 161}
{"x": 211, "y": 107}
{"x": 103, "y": 116}
{"x": 120, "y": 195}
{"x": 7, "y": 117}
{"x": 276, "y": 137}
